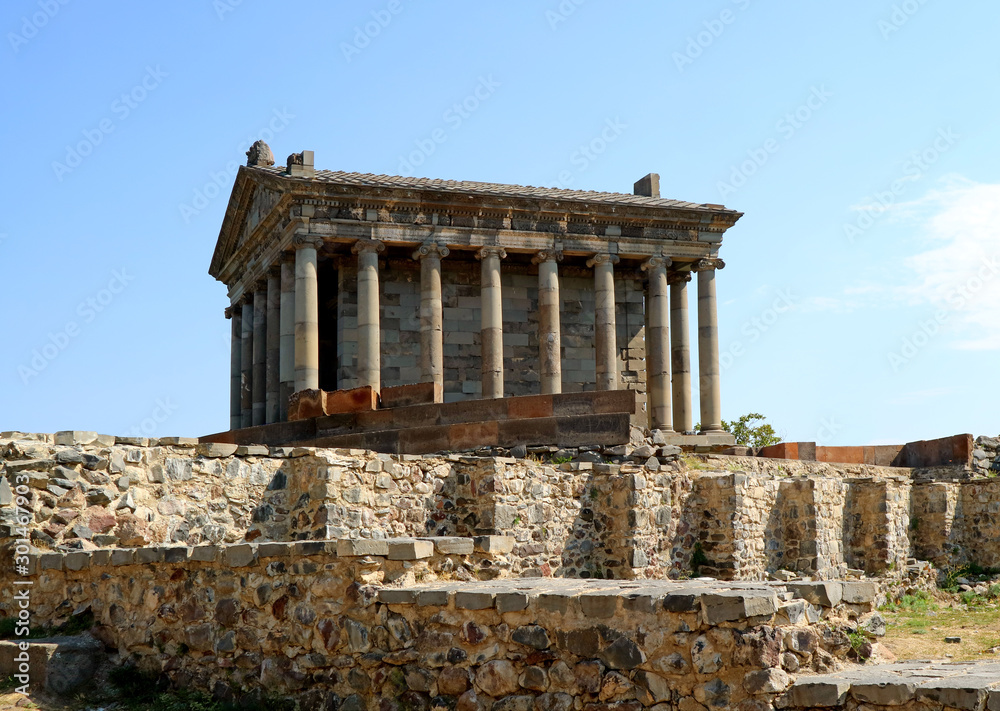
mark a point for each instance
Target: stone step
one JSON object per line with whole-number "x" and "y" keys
{"x": 60, "y": 665}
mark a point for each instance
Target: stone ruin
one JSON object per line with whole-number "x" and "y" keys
{"x": 448, "y": 486}
{"x": 604, "y": 579}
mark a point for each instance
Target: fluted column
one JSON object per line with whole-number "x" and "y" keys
{"x": 658, "y": 344}
{"x": 431, "y": 314}
{"x": 605, "y": 330}
{"x": 246, "y": 361}
{"x": 273, "y": 345}
{"x": 680, "y": 351}
{"x": 259, "y": 351}
{"x": 306, "y": 313}
{"x": 708, "y": 346}
{"x": 369, "y": 337}
{"x": 235, "y": 314}
{"x": 549, "y": 338}
{"x": 491, "y": 332}
{"x": 286, "y": 335}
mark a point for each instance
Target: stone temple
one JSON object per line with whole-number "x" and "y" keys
{"x": 340, "y": 281}
{"x": 460, "y": 475}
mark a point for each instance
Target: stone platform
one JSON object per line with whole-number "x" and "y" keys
{"x": 902, "y": 686}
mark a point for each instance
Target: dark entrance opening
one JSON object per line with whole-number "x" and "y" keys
{"x": 327, "y": 277}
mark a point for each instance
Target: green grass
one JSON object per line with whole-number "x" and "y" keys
{"x": 142, "y": 691}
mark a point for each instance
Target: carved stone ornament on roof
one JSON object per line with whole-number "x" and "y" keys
{"x": 675, "y": 277}
{"x": 656, "y": 263}
{"x": 260, "y": 154}
{"x": 547, "y": 255}
{"x": 313, "y": 241}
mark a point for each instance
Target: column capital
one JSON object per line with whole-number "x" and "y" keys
{"x": 603, "y": 258}
{"x": 677, "y": 277}
{"x": 260, "y": 285}
{"x": 492, "y": 251}
{"x": 368, "y": 245}
{"x": 246, "y": 299}
{"x": 300, "y": 241}
{"x": 547, "y": 255}
{"x": 287, "y": 257}
{"x": 656, "y": 263}
{"x": 229, "y": 310}
{"x": 703, "y": 265}
{"x": 431, "y": 249}
{"x": 274, "y": 271}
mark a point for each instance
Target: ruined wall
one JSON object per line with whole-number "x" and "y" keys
{"x": 303, "y": 620}
{"x": 400, "y": 327}
{"x": 933, "y": 508}
{"x": 805, "y": 527}
{"x": 876, "y": 523}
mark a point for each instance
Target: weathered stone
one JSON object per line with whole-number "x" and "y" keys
{"x": 497, "y": 678}
{"x": 409, "y": 549}
{"x": 533, "y": 636}
{"x": 766, "y": 681}
{"x": 623, "y": 653}
{"x": 588, "y": 676}
{"x": 453, "y": 681}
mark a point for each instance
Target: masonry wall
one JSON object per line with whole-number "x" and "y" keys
{"x": 400, "y": 327}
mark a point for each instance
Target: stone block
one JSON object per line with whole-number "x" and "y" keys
{"x": 397, "y": 596}
{"x": 511, "y": 601}
{"x": 176, "y": 554}
{"x": 598, "y": 606}
{"x": 361, "y": 399}
{"x": 529, "y": 406}
{"x": 958, "y": 692}
{"x": 181, "y": 442}
{"x": 729, "y": 605}
{"x": 100, "y": 558}
{"x": 824, "y": 593}
{"x": 150, "y": 554}
{"x": 409, "y": 549}
{"x": 437, "y": 598}
{"x": 859, "y": 592}
{"x": 809, "y": 693}
{"x": 77, "y": 561}
{"x": 306, "y": 404}
{"x": 205, "y": 554}
{"x": 274, "y": 549}
{"x": 306, "y": 548}
{"x": 50, "y": 561}
{"x": 538, "y": 430}
{"x": 122, "y": 556}
{"x": 472, "y": 435}
{"x": 356, "y": 547}
{"x": 451, "y": 545}
{"x": 423, "y": 440}
{"x": 883, "y": 689}
{"x": 216, "y": 449}
{"x": 239, "y": 556}
{"x": 495, "y": 545}
{"x": 473, "y": 600}
{"x": 74, "y": 437}
{"x": 252, "y": 450}
{"x": 411, "y": 394}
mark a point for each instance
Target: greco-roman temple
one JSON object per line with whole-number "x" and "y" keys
{"x": 353, "y": 295}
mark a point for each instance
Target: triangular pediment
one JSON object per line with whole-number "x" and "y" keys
{"x": 253, "y": 198}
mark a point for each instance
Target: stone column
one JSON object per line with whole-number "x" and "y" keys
{"x": 658, "y": 344}
{"x": 605, "y": 330}
{"x": 549, "y": 339}
{"x": 273, "y": 345}
{"x": 708, "y": 346}
{"x": 680, "y": 351}
{"x": 491, "y": 333}
{"x": 369, "y": 336}
{"x": 246, "y": 361}
{"x": 259, "y": 351}
{"x": 306, "y": 313}
{"x": 286, "y": 335}
{"x": 235, "y": 314}
{"x": 431, "y": 314}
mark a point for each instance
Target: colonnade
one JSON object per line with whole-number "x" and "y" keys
{"x": 275, "y": 331}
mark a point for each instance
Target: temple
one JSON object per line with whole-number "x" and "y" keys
{"x": 339, "y": 281}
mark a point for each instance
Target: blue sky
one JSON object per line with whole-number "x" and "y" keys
{"x": 860, "y": 302}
